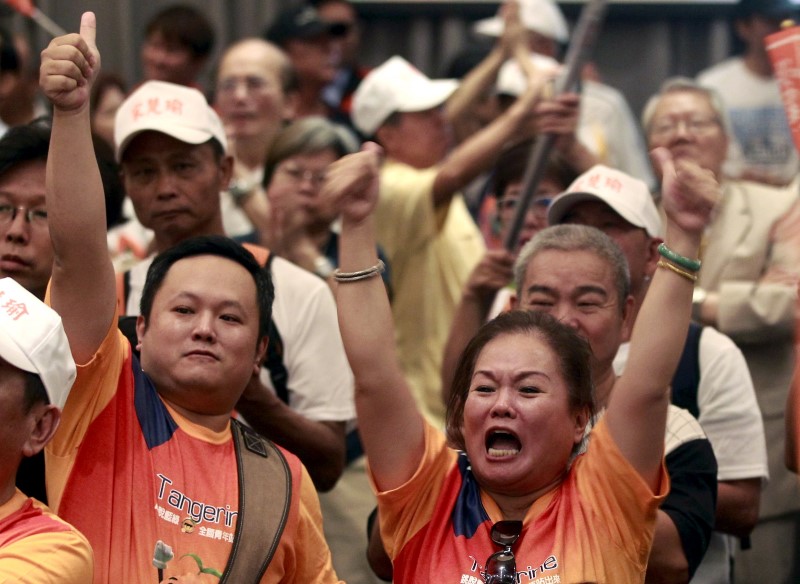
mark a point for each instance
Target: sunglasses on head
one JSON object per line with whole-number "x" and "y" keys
{"x": 501, "y": 567}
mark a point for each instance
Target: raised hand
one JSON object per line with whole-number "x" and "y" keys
{"x": 514, "y": 36}
{"x": 689, "y": 192}
{"x": 559, "y": 116}
{"x": 492, "y": 273}
{"x": 70, "y": 64}
{"x": 351, "y": 183}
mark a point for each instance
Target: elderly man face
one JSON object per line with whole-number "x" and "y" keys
{"x": 250, "y": 89}
{"x": 685, "y": 122}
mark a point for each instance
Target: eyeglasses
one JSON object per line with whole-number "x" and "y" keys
{"x": 501, "y": 567}
{"x": 538, "y": 206}
{"x": 252, "y": 84}
{"x": 35, "y": 216}
{"x": 665, "y": 127}
{"x": 297, "y": 175}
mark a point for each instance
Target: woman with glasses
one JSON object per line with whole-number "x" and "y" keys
{"x": 293, "y": 220}
{"x": 504, "y": 497}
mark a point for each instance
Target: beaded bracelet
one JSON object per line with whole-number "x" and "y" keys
{"x": 340, "y": 276}
{"x": 677, "y": 270}
{"x": 682, "y": 261}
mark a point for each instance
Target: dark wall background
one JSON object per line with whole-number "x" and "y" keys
{"x": 641, "y": 44}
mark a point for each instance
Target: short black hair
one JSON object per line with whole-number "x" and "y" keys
{"x": 308, "y": 135}
{"x": 35, "y": 391}
{"x": 31, "y": 143}
{"x": 186, "y": 26}
{"x": 19, "y": 144}
{"x": 215, "y": 245}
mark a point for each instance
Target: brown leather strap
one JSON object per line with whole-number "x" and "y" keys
{"x": 265, "y": 490}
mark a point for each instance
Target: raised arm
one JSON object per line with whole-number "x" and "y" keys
{"x": 320, "y": 445}
{"x": 479, "y": 151}
{"x": 82, "y": 286}
{"x": 481, "y": 79}
{"x": 389, "y": 422}
{"x": 638, "y": 407}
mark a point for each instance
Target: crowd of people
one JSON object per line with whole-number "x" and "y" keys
{"x": 298, "y": 326}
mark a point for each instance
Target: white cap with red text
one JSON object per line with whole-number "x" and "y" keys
{"x": 32, "y": 338}
{"x": 629, "y": 197}
{"x": 176, "y": 110}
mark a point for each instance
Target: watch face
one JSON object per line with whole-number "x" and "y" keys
{"x": 239, "y": 190}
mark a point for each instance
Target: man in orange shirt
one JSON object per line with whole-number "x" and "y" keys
{"x": 36, "y": 373}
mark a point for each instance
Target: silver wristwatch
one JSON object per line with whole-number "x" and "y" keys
{"x": 241, "y": 190}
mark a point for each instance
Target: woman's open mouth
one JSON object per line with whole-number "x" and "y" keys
{"x": 500, "y": 444}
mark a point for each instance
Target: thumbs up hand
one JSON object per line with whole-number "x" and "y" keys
{"x": 688, "y": 191}
{"x": 70, "y": 64}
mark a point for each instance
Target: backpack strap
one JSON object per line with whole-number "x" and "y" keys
{"x": 687, "y": 375}
{"x": 265, "y": 492}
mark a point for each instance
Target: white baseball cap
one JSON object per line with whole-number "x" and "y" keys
{"x": 396, "y": 86}
{"x": 627, "y": 196}
{"x": 33, "y": 339}
{"x": 511, "y": 80}
{"x": 540, "y": 16}
{"x": 176, "y": 110}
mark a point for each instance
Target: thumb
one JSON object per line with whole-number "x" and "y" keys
{"x": 89, "y": 29}
{"x": 662, "y": 158}
{"x": 372, "y": 147}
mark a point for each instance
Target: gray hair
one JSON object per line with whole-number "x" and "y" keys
{"x": 686, "y": 84}
{"x": 573, "y": 237}
{"x": 308, "y": 135}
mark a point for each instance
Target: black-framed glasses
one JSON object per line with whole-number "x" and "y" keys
{"x": 501, "y": 567}
{"x": 35, "y": 216}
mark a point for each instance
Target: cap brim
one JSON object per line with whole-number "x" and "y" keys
{"x": 565, "y": 201}
{"x": 492, "y": 27}
{"x": 188, "y": 135}
{"x": 434, "y": 94}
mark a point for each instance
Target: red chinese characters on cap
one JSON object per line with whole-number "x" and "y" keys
{"x": 13, "y": 308}
{"x": 157, "y": 107}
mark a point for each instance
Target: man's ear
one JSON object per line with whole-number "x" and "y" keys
{"x": 628, "y": 317}
{"x": 652, "y": 255}
{"x": 581, "y": 420}
{"x": 289, "y": 109}
{"x": 226, "y": 168}
{"x": 141, "y": 328}
{"x": 385, "y": 136}
{"x": 261, "y": 351}
{"x": 44, "y": 423}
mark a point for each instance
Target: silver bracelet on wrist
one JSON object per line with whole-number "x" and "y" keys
{"x": 341, "y": 276}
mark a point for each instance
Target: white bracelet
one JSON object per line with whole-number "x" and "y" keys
{"x": 341, "y": 276}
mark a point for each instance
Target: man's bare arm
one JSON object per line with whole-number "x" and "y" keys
{"x": 82, "y": 288}
{"x": 319, "y": 445}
